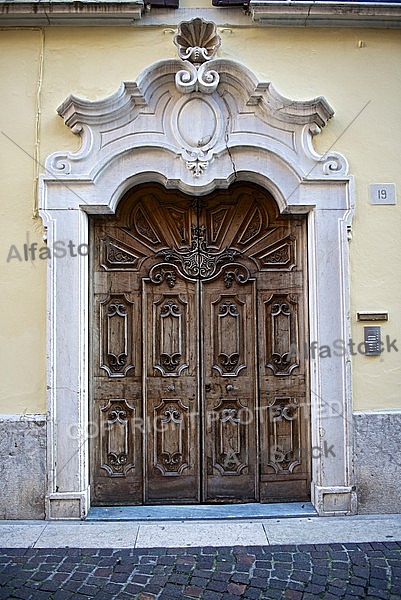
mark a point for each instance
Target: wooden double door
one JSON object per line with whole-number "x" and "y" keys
{"x": 198, "y": 392}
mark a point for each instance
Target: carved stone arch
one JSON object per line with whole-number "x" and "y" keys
{"x": 138, "y": 135}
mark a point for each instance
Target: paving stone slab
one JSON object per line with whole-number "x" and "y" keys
{"x": 88, "y": 535}
{"x": 15, "y": 535}
{"x": 190, "y": 534}
{"x": 325, "y": 530}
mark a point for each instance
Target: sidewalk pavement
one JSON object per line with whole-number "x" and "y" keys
{"x": 195, "y": 533}
{"x": 351, "y": 558}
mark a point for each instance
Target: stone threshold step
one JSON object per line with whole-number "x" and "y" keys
{"x": 201, "y": 512}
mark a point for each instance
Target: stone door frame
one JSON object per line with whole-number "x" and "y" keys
{"x": 145, "y": 132}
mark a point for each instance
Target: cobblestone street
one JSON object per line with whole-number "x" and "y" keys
{"x": 324, "y": 571}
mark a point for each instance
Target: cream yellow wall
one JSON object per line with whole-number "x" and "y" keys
{"x": 302, "y": 63}
{"x": 23, "y": 284}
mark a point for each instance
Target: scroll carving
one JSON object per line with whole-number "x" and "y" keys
{"x": 171, "y": 440}
{"x": 117, "y": 437}
{"x": 229, "y": 342}
{"x": 284, "y": 435}
{"x": 334, "y": 163}
{"x": 197, "y": 42}
{"x": 281, "y": 334}
{"x": 230, "y": 446}
{"x": 199, "y": 261}
{"x": 236, "y": 272}
{"x": 170, "y": 336}
{"x": 116, "y": 335}
{"x": 190, "y": 79}
{"x": 163, "y": 272}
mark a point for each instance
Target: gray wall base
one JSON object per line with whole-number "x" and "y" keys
{"x": 377, "y": 464}
{"x": 377, "y": 461}
{"x": 22, "y": 467}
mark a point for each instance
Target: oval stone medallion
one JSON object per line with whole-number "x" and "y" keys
{"x": 196, "y": 123}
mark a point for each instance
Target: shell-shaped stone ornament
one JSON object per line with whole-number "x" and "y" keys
{"x": 197, "y": 40}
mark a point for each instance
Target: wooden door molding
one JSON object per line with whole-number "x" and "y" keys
{"x": 136, "y": 136}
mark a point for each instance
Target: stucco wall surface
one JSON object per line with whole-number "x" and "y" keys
{"x": 22, "y": 284}
{"x": 358, "y": 72}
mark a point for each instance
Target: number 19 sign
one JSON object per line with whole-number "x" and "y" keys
{"x": 382, "y": 193}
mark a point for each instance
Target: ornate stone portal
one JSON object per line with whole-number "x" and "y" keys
{"x": 196, "y": 124}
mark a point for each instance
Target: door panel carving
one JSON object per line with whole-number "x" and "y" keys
{"x": 171, "y": 449}
{"x": 228, "y": 341}
{"x": 118, "y": 437}
{"x": 230, "y": 456}
{"x": 216, "y": 220}
{"x": 252, "y": 227}
{"x": 198, "y": 304}
{"x": 280, "y": 256}
{"x": 199, "y": 261}
{"x": 118, "y": 338}
{"x": 115, "y": 255}
{"x": 170, "y": 335}
{"x": 285, "y": 448}
{"x": 281, "y": 334}
{"x": 144, "y": 228}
